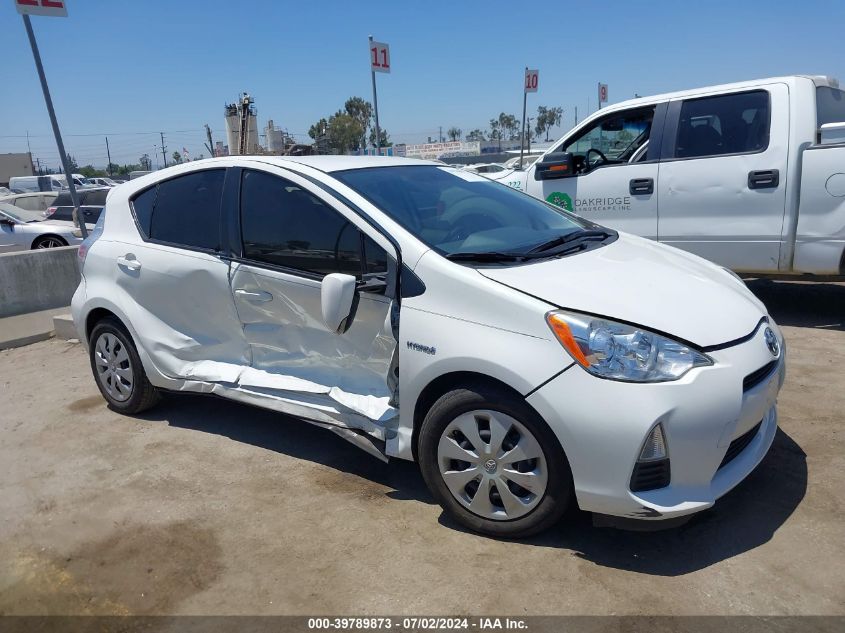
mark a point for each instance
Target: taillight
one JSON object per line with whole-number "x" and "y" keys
{"x": 50, "y": 211}
{"x": 82, "y": 252}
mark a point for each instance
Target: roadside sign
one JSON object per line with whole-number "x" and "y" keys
{"x": 602, "y": 93}
{"x": 379, "y": 57}
{"x": 52, "y": 8}
{"x": 532, "y": 80}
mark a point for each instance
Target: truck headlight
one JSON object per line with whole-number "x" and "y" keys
{"x": 622, "y": 352}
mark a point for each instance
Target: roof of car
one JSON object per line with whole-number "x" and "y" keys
{"x": 324, "y": 163}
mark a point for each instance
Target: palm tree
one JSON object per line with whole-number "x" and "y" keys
{"x": 454, "y": 133}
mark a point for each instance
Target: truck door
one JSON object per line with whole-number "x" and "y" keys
{"x": 723, "y": 177}
{"x": 614, "y": 176}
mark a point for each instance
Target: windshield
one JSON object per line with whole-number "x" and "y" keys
{"x": 454, "y": 211}
{"x": 18, "y": 214}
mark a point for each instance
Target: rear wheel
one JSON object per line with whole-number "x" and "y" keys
{"x": 118, "y": 370}
{"x": 48, "y": 241}
{"x": 493, "y": 463}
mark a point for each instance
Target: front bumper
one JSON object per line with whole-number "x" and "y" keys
{"x": 601, "y": 425}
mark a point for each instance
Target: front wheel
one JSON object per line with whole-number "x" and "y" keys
{"x": 48, "y": 241}
{"x": 493, "y": 463}
{"x": 118, "y": 370}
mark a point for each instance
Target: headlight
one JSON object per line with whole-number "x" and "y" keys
{"x": 622, "y": 352}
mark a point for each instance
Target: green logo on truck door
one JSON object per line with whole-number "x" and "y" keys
{"x": 561, "y": 200}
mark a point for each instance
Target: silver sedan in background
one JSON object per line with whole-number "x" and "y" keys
{"x": 21, "y": 230}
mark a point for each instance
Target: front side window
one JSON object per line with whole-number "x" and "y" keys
{"x": 727, "y": 124}
{"x": 613, "y": 140}
{"x": 460, "y": 213}
{"x": 285, "y": 225}
{"x": 184, "y": 211}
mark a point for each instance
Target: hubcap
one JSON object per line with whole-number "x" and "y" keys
{"x": 114, "y": 370}
{"x": 49, "y": 243}
{"x": 492, "y": 465}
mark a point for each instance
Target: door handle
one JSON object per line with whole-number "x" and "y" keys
{"x": 763, "y": 179}
{"x": 129, "y": 261}
{"x": 253, "y": 295}
{"x": 641, "y": 186}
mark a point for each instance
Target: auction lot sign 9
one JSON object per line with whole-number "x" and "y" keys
{"x": 52, "y": 8}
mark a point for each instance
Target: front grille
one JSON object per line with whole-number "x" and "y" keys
{"x": 739, "y": 444}
{"x": 650, "y": 475}
{"x": 756, "y": 377}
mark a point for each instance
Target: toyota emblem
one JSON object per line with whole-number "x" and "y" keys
{"x": 771, "y": 341}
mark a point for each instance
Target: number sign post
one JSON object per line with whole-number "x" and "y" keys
{"x": 53, "y": 8}
{"x": 602, "y": 94}
{"x": 532, "y": 81}
{"x": 379, "y": 63}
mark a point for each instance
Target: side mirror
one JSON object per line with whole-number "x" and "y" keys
{"x": 337, "y": 300}
{"x": 7, "y": 221}
{"x": 555, "y": 165}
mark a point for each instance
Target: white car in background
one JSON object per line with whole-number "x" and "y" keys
{"x": 526, "y": 358}
{"x": 32, "y": 201}
{"x": 485, "y": 168}
{"x": 22, "y": 230}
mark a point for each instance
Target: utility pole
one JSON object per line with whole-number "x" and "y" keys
{"x": 163, "y": 149}
{"x": 59, "y": 143}
{"x": 576, "y": 115}
{"x": 441, "y": 133}
{"x": 108, "y": 153}
{"x": 38, "y": 162}
{"x": 210, "y": 145}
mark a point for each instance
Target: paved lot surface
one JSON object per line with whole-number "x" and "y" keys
{"x": 205, "y": 506}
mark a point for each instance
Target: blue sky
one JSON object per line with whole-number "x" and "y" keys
{"x": 132, "y": 68}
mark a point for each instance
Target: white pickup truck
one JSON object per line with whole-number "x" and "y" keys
{"x": 749, "y": 175}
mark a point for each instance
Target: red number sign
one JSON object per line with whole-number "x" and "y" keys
{"x": 55, "y": 8}
{"x": 532, "y": 80}
{"x": 602, "y": 93}
{"x": 379, "y": 57}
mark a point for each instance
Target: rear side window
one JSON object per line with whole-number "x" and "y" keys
{"x": 95, "y": 197}
{"x": 184, "y": 211}
{"x": 727, "y": 124}
{"x": 63, "y": 199}
{"x": 284, "y": 225}
{"x": 830, "y": 105}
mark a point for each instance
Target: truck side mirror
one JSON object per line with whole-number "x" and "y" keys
{"x": 555, "y": 165}
{"x": 337, "y": 301}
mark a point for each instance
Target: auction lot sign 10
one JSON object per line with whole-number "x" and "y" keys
{"x": 52, "y": 8}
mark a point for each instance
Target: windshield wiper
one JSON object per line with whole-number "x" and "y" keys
{"x": 568, "y": 238}
{"x": 484, "y": 256}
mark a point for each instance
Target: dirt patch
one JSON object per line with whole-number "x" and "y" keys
{"x": 140, "y": 569}
{"x": 87, "y": 404}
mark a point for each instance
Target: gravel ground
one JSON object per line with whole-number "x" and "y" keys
{"x": 204, "y": 506}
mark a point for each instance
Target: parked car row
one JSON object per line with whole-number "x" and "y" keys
{"x": 22, "y": 230}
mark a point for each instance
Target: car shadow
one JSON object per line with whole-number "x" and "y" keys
{"x": 802, "y": 304}
{"x": 742, "y": 520}
{"x": 288, "y": 436}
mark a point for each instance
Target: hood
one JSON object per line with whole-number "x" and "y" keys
{"x": 644, "y": 283}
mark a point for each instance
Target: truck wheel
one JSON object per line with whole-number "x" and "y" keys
{"x": 493, "y": 463}
{"x": 117, "y": 369}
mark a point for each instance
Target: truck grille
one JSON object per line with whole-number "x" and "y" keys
{"x": 740, "y": 444}
{"x": 756, "y": 377}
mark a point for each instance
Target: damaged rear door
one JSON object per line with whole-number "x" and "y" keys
{"x": 291, "y": 238}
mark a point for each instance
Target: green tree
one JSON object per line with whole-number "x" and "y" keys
{"x": 345, "y": 132}
{"x": 177, "y": 157}
{"x": 72, "y": 164}
{"x": 385, "y": 138}
{"x": 476, "y": 135}
{"x": 454, "y": 133}
{"x": 495, "y": 132}
{"x": 547, "y": 118}
{"x": 509, "y": 126}
{"x": 320, "y": 128}
{"x": 145, "y": 162}
{"x": 361, "y": 111}
{"x": 89, "y": 171}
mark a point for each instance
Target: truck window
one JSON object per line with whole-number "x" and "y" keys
{"x": 613, "y": 139}
{"x": 728, "y": 124}
{"x": 830, "y": 105}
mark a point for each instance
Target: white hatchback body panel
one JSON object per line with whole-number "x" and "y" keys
{"x": 206, "y": 323}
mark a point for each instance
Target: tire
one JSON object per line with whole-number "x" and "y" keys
{"x": 118, "y": 370}
{"x": 48, "y": 241}
{"x": 502, "y": 418}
